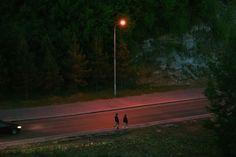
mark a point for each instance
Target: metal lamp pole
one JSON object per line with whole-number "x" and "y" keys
{"x": 122, "y": 23}
{"x": 115, "y": 60}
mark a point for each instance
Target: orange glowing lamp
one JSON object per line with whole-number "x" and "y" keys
{"x": 122, "y": 22}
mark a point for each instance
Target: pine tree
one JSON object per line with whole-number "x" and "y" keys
{"x": 221, "y": 92}
{"x": 75, "y": 68}
{"x": 125, "y": 70}
{"x": 3, "y": 76}
{"x": 101, "y": 71}
{"x": 50, "y": 78}
{"x": 221, "y": 89}
{"x": 22, "y": 69}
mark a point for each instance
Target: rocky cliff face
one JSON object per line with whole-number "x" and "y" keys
{"x": 180, "y": 58}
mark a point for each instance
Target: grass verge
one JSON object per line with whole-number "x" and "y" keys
{"x": 182, "y": 139}
{"x": 65, "y": 98}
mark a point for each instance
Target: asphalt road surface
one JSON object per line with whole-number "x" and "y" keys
{"x": 105, "y": 120}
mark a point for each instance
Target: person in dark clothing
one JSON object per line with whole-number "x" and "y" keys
{"x": 116, "y": 121}
{"x": 125, "y": 121}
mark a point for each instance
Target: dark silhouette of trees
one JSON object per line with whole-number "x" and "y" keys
{"x": 48, "y": 46}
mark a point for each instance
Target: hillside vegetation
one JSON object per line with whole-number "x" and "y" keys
{"x": 49, "y": 46}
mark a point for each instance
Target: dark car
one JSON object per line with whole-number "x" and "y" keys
{"x": 7, "y": 127}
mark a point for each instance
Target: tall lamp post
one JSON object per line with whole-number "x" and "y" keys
{"x": 122, "y": 23}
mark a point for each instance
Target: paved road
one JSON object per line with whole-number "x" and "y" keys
{"x": 104, "y": 120}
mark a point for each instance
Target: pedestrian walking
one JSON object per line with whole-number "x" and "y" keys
{"x": 125, "y": 121}
{"x": 116, "y": 121}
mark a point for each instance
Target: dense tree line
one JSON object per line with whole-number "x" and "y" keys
{"x": 53, "y": 45}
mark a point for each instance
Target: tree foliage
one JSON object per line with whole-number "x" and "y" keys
{"x": 75, "y": 68}
{"x": 221, "y": 90}
{"x": 37, "y": 51}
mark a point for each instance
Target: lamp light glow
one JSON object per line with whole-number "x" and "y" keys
{"x": 122, "y": 22}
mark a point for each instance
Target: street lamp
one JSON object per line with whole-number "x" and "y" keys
{"x": 121, "y": 23}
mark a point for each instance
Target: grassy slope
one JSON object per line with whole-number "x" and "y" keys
{"x": 86, "y": 95}
{"x": 185, "y": 140}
